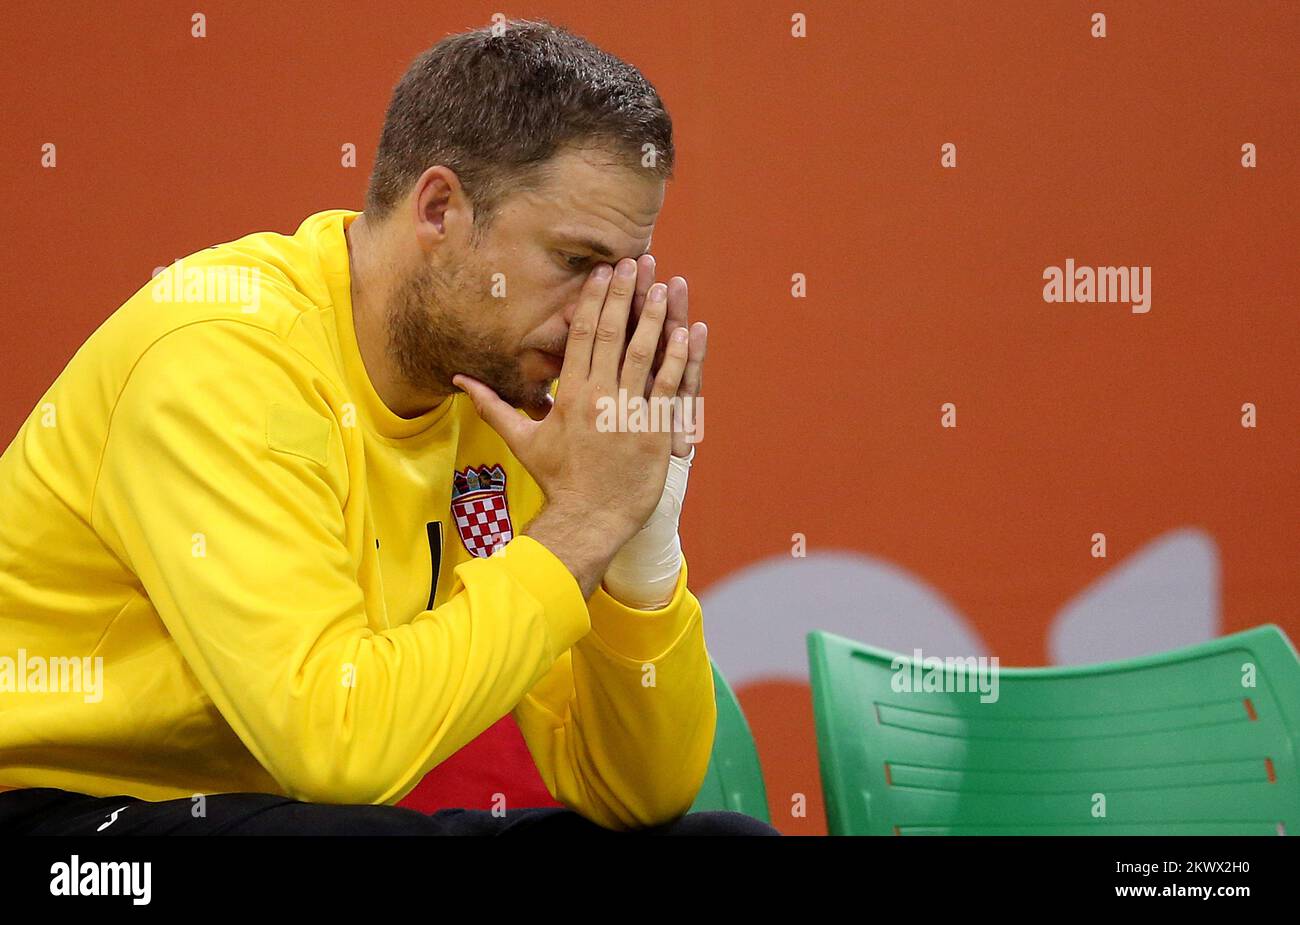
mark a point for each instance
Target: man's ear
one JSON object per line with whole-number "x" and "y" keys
{"x": 437, "y": 193}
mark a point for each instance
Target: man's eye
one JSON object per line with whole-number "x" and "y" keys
{"x": 574, "y": 261}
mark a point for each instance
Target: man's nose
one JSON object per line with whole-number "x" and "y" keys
{"x": 569, "y": 311}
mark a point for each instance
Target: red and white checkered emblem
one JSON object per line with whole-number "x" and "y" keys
{"x": 478, "y": 505}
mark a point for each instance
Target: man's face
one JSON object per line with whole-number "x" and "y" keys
{"x": 500, "y": 311}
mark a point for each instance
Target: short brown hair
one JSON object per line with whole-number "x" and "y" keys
{"x": 497, "y": 103}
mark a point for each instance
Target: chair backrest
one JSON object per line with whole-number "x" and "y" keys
{"x": 1200, "y": 740}
{"x": 734, "y": 780}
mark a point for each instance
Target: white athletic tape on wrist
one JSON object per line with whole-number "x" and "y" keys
{"x": 643, "y": 574}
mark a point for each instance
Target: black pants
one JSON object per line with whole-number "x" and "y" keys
{"x": 45, "y": 811}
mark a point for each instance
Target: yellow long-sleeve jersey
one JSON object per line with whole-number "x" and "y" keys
{"x": 226, "y": 565}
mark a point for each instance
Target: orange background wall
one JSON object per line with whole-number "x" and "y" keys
{"x": 817, "y": 156}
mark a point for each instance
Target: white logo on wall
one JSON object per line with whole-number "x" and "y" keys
{"x": 1099, "y": 284}
{"x": 1164, "y": 596}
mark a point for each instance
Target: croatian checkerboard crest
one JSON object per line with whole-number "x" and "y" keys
{"x": 480, "y": 509}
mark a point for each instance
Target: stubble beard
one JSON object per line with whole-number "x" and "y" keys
{"x": 430, "y": 343}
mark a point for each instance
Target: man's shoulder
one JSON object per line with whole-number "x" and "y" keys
{"x": 266, "y": 279}
{"x": 265, "y": 293}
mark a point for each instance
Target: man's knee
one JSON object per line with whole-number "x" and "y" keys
{"x": 297, "y": 818}
{"x": 716, "y": 822}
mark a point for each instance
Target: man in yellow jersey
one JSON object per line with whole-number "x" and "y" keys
{"x": 310, "y": 512}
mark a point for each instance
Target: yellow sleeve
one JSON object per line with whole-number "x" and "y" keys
{"x": 223, "y": 486}
{"x": 622, "y": 728}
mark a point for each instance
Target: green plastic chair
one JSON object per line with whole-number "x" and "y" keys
{"x": 734, "y": 780}
{"x": 1170, "y": 744}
